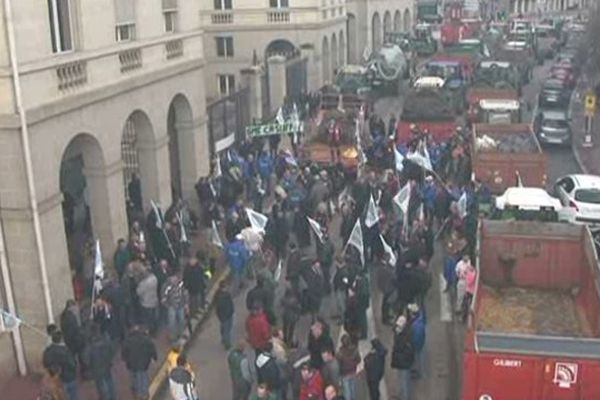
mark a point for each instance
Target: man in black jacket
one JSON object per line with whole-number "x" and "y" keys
{"x": 138, "y": 352}
{"x": 58, "y": 360}
{"x": 375, "y": 367}
{"x": 268, "y": 372}
{"x": 100, "y": 356}
{"x": 224, "y": 309}
{"x": 71, "y": 328}
{"x": 403, "y": 355}
{"x": 194, "y": 280}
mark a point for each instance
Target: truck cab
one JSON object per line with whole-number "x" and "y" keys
{"x": 424, "y": 43}
{"x": 353, "y": 79}
{"x": 499, "y": 111}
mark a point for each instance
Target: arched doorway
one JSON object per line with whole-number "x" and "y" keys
{"x": 140, "y": 165}
{"x": 281, "y": 47}
{"x": 407, "y": 21}
{"x": 343, "y": 50}
{"x": 85, "y": 206}
{"x": 180, "y": 131}
{"x": 376, "y": 31}
{"x": 397, "y": 21}
{"x": 325, "y": 61}
{"x": 387, "y": 23}
{"x": 352, "y": 39}
{"x": 334, "y": 54}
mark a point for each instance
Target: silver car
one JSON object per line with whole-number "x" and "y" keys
{"x": 553, "y": 127}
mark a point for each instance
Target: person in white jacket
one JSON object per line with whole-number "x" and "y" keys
{"x": 182, "y": 381}
{"x": 461, "y": 284}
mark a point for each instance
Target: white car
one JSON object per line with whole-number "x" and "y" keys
{"x": 527, "y": 198}
{"x": 580, "y": 193}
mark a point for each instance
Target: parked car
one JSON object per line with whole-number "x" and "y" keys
{"x": 580, "y": 193}
{"x": 555, "y": 94}
{"x": 553, "y": 127}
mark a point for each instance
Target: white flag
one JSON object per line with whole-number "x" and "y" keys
{"x": 279, "y": 117}
{"x": 519, "y": 180}
{"x": 372, "y": 214}
{"x": 183, "y": 238}
{"x": 402, "y": 199}
{"x": 142, "y": 238}
{"x": 316, "y": 227}
{"x": 98, "y": 266}
{"x": 277, "y": 274}
{"x": 8, "y": 321}
{"x": 214, "y": 236}
{"x": 388, "y": 250}
{"x": 420, "y": 159}
{"x": 258, "y": 221}
{"x": 399, "y": 160}
{"x": 421, "y": 213}
{"x": 356, "y": 240}
{"x": 157, "y": 215}
{"x": 462, "y": 205}
{"x": 217, "y": 172}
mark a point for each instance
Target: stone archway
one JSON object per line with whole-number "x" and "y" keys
{"x": 142, "y": 170}
{"x": 325, "y": 61}
{"x": 376, "y": 32}
{"x": 86, "y": 203}
{"x": 397, "y": 21}
{"x": 334, "y": 54}
{"x": 407, "y": 21}
{"x": 181, "y": 145}
{"x": 352, "y": 31}
{"x": 343, "y": 49}
{"x": 387, "y": 23}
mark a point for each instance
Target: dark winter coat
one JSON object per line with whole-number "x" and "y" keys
{"x": 403, "y": 352}
{"x": 301, "y": 229}
{"x": 223, "y": 305}
{"x": 138, "y": 351}
{"x": 349, "y": 358}
{"x": 71, "y": 331}
{"x": 317, "y": 345}
{"x": 100, "y": 356}
{"x": 375, "y": 363}
{"x": 194, "y": 279}
{"x": 57, "y": 359}
{"x": 267, "y": 371}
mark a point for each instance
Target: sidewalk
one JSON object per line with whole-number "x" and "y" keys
{"x": 588, "y": 158}
{"x": 28, "y": 387}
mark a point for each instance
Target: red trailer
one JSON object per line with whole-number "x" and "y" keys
{"x": 534, "y": 332}
{"x": 452, "y": 32}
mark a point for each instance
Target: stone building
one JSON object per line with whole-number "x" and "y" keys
{"x": 106, "y": 89}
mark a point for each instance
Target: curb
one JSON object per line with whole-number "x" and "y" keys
{"x": 160, "y": 378}
{"x": 580, "y": 163}
{"x": 575, "y": 143}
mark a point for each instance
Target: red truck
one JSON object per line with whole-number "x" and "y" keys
{"x": 534, "y": 331}
{"x": 476, "y": 94}
{"x": 428, "y": 109}
{"x": 500, "y": 151}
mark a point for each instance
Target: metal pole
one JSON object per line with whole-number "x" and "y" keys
{"x": 27, "y": 158}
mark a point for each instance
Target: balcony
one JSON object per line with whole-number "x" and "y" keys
{"x": 130, "y": 60}
{"x": 174, "y": 49}
{"x": 221, "y": 17}
{"x": 278, "y": 17}
{"x": 55, "y": 77}
{"x": 71, "y": 75}
{"x": 259, "y": 17}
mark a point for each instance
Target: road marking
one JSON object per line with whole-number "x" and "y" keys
{"x": 445, "y": 312}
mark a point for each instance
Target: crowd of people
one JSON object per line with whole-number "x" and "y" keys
{"x": 158, "y": 280}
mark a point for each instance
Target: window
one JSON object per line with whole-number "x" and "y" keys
{"x": 60, "y": 25}
{"x": 170, "y": 14}
{"x": 124, "y": 33}
{"x": 223, "y": 4}
{"x": 278, "y": 3}
{"x": 224, "y": 46}
{"x": 124, "y": 20}
{"x": 226, "y": 84}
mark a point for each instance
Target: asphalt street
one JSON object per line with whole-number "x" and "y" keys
{"x": 445, "y": 335}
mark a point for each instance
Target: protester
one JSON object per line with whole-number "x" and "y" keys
{"x": 311, "y": 387}
{"x": 375, "y": 367}
{"x": 403, "y": 356}
{"x": 268, "y": 372}
{"x": 258, "y": 329}
{"x": 224, "y": 309}
{"x": 138, "y": 352}
{"x": 240, "y": 371}
{"x": 331, "y": 369}
{"x": 195, "y": 281}
{"x": 147, "y": 291}
{"x": 100, "y": 354}
{"x": 70, "y": 325}
{"x": 58, "y": 361}
{"x": 348, "y": 358}
{"x": 182, "y": 383}
{"x": 319, "y": 339}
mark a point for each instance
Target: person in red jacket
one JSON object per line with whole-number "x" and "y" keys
{"x": 311, "y": 387}
{"x": 258, "y": 328}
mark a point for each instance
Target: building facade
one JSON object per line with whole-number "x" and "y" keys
{"x": 369, "y": 20}
{"x": 108, "y": 90}
{"x": 303, "y": 39}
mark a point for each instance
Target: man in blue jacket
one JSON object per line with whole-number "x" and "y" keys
{"x": 418, "y": 325}
{"x": 237, "y": 257}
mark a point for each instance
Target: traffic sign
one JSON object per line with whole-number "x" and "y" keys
{"x": 590, "y": 103}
